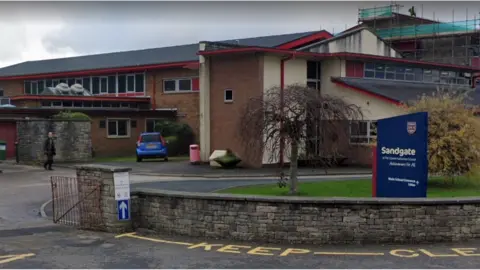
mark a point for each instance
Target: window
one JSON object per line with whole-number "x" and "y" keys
{"x": 185, "y": 85}
{"x": 228, "y": 96}
{"x": 363, "y": 132}
{"x": 150, "y": 124}
{"x": 139, "y": 83}
{"x": 177, "y": 85}
{"x": 118, "y": 128}
{"x": 130, "y": 83}
{"x": 1, "y": 93}
{"x": 103, "y": 85}
{"x": 122, "y": 84}
{"x": 112, "y": 84}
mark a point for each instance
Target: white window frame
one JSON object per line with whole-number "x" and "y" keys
{"x": 118, "y": 136}
{"x": 368, "y": 136}
{"x": 100, "y": 78}
{"x": 225, "y": 96}
{"x": 177, "y": 85}
{"x": 132, "y": 75}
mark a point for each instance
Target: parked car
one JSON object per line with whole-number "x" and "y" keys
{"x": 151, "y": 145}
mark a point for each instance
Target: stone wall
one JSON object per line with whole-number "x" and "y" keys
{"x": 306, "y": 220}
{"x": 73, "y": 140}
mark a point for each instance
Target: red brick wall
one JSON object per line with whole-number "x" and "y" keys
{"x": 104, "y": 146}
{"x": 243, "y": 74}
{"x": 186, "y": 103}
{"x": 12, "y": 88}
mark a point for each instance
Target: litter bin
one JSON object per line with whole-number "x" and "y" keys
{"x": 3, "y": 150}
{"x": 194, "y": 154}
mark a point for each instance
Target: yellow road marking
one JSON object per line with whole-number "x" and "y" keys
{"x": 350, "y": 253}
{"x": 11, "y": 258}
{"x": 134, "y": 235}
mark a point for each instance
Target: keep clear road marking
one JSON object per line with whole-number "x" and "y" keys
{"x": 11, "y": 258}
{"x": 282, "y": 252}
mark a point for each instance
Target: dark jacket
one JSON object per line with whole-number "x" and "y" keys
{"x": 49, "y": 147}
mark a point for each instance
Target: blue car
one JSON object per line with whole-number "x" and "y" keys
{"x": 151, "y": 145}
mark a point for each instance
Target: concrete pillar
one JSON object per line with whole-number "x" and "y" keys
{"x": 204, "y": 99}
{"x": 98, "y": 207}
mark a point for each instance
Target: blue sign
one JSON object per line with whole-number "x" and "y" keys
{"x": 123, "y": 207}
{"x": 402, "y": 161}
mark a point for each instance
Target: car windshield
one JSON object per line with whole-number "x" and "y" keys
{"x": 151, "y": 138}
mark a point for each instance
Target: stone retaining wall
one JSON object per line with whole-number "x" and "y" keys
{"x": 306, "y": 220}
{"x": 73, "y": 140}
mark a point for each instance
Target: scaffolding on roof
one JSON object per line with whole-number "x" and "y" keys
{"x": 454, "y": 42}
{"x": 377, "y": 12}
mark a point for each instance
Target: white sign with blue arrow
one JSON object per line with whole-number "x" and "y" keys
{"x": 123, "y": 207}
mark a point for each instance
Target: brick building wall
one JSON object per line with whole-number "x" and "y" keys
{"x": 244, "y": 75}
{"x": 187, "y": 103}
{"x": 103, "y": 145}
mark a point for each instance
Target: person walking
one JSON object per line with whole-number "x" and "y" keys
{"x": 49, "y": 150}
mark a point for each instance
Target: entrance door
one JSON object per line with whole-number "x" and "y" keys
{"x": 8, "y": 133}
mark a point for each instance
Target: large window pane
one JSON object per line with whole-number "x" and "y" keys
{"x": 71, "y": 81}
{"x": 139, "y": 83}
{"x": 122, "y": 127}
{"x": 112, "y": 84}
{"x": 86, "y": 83}
{"x": 28, "y": 89}
{"x": 103, "y": 84}
{"x": 369, "y": 74}
{"x": 122, "y": 84}
{"x": 169, "y": 85}
{"x": 185, "y": 85}
{"x": 40, "y": 86}
{"x": 95, "y": 85}
{"x": 312, "y": 70}
{"x": 112, "y": 128}
{"x": 130, "y": 83}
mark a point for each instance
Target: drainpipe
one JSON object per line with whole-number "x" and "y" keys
{"x": 282, "y": 87}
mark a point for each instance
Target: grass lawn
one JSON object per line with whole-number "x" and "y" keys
{"x": 358, "y": 188}
{"x": 134, "y": 159}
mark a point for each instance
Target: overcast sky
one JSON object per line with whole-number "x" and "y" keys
{"x": 34, "y": 30}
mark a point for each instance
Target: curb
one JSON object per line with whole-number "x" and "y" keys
{"x": 42, "y": 209}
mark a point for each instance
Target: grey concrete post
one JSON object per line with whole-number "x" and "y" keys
{"x": 89, "y": 175}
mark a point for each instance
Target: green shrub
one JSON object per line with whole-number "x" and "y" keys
{"x": 172, "y": 145}
{"x": 182, "y": 132}
{"x": 67, "y": 115}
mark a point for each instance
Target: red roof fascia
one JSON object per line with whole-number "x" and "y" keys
{"x": 305, "y": 40}
{"x": 81, "y": 98}
{"x": 368, "y": 93}
{"x": 353, "y": 56}
{"x": 100, "y": 71}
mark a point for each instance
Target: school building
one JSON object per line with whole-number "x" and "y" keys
{"x": 207, "y": 84}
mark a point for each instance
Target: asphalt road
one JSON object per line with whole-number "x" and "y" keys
{"x": 60, "y": 247}
{"x": 201, "y": 185}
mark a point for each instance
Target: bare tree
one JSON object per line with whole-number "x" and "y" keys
{"x": 279, "y": 120}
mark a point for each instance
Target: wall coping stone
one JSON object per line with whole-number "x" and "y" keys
{"x": 103, "y": 168}
{"x": 53, "y": 120}
{"x": 304, "y": 200}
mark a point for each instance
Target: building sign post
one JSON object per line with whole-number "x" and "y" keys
{"x": 401, "y": 159}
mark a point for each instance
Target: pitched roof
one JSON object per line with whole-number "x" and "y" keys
{"x": 172, "y": 54}
{"x": 400, "y": 91}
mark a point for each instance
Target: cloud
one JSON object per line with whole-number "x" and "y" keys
{"x": 42, "y": 30}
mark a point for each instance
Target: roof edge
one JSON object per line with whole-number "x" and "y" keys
{"x": 100, "y": 71}
{"x": 365, "y": 92}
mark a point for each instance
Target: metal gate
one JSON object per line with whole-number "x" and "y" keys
{"x": 76, "y": 203}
